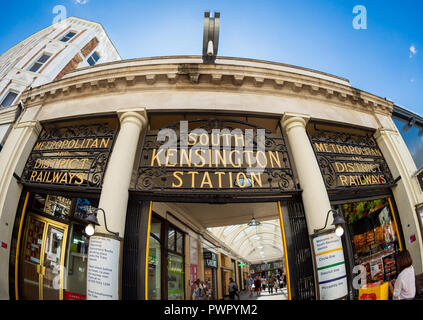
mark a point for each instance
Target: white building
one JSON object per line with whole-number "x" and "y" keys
{"x": 46, "y": 56}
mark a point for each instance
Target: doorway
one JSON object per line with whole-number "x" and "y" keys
{"x": 42, "y": 259}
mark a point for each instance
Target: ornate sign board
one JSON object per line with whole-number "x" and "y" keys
{"x": 214, "y": 155}
{"x": 71, "y": 154}
{"x": 349, "y": 160}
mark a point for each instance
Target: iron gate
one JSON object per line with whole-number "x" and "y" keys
{"x": 300, "y": 259}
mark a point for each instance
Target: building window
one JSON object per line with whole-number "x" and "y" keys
{"x": 38, "y": 64}
{"x": 68, "y": 36}
{"x": 413, "y": 138}
{"x": 93, "y": 59}
{"x": 8, "y": 100}
{"x": 165, "y": 261}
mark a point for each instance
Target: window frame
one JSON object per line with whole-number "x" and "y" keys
{"x": 5, "y": 97}
{"x": 91, "y": 57}
{"x": 37, "y": 61}
{"x": 68, "y": 38}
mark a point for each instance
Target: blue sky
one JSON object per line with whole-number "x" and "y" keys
{"x": 385, "y": 59}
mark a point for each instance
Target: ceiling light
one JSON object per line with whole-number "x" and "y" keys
{"x": 253, "y": 222}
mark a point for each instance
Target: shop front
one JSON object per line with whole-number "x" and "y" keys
{"x": 166, "y": 272}
{"x": 359, "y": 182}
{"x": 210, "y": 271}
{"x": 62, "y": 180}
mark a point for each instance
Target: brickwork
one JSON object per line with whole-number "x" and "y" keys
{"x": 90, "y": 46}
{"x": 72, "y": 65}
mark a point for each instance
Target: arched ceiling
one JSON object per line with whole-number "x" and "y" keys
{"x": 255, "y": 243}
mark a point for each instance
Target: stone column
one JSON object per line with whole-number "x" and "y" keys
{"x": 406, "y": 192}
{"x": 219, "y": 276}
{"x": 13, "y": 158}
{"x": 200, "y": 263}
{"x": 114, "y": 194}
{"x": 315, "y": 197}
{"x": 105, "y": 250}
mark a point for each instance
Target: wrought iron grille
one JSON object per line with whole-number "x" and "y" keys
{"x": 349, "y": 160}
{"x": 299, "y": 253}
{"x": 74, "y": 155}
{"x": 158, "y": 177}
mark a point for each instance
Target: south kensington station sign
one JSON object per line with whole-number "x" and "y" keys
{"x": 214, "y": 154}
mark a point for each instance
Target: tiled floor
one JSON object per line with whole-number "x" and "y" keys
{"x": 266, "y": 296}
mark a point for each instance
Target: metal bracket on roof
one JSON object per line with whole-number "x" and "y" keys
{"x": 210, "y": 37}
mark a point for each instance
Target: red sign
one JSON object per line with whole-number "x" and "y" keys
{"x": 4, "y": 245}
{"x": 193, "y": 273}
{"x": 74, "y": 296}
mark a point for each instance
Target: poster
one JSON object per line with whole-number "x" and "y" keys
{"x": 330, "y": 264}
{"x": 103, "y": 269}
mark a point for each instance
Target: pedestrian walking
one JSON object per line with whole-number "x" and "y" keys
{"x": 233, "y": 289}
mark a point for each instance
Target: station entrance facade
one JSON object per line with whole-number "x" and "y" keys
{"x": 193, "y": 174}
{"x": 214, "y": 171}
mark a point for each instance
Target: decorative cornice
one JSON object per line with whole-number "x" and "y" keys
{"x": 139, "y": 75}
{"x": 9, "y": 114}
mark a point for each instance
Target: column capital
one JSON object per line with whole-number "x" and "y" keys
{"x": 31, "y": 124}
{"x": 291, "y": 120}
{"x": 134, "y": 115}
{"x": 382, "y": 132}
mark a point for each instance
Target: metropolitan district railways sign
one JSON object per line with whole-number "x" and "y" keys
{"x": 349, "y": 160}
{"x": 74, "y": 155}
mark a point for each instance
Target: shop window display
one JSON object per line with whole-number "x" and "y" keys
{"x": 175, "y": 282}
{"x": 375, "y": 241}
{"x": 47, "y": 250}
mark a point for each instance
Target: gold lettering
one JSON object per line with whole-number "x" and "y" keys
{"x": 203, "y": 182}
{"x": 81, "y": 179}
{"x": 239, "y": 138}
{"x": 104, "y": 143}
{"x": 219, "y": 174}
{"x": 256, "y": 178}
{"x": 176, "y": 174}
{"x": 339, "y": 167}
{"x": 33, "y": 174}
{"x": 261, "y": 156}
{"x": 230, "y": 159}
{"x": 221, "y": 159}
{"x": 274, "y": 158}
{"x": 155, "y": 157}
{"x": 94, "y": 144}
{"x": 187, "y": 160}
{"x": 192, "y": 173}
{"x": 319, "y": 147}
{"x": 198, "y": 153}
{"x": 171, "y": 154}
{"x": 343, "y": 180}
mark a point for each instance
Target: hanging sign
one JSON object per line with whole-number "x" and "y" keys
{"x": 330, "y": 264}
{"x": 349, "y": 160}
{"x": 214, "y": 155}
{"x": 71, "y": 154}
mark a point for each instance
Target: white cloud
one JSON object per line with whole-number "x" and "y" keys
{"x": 413, "y": 51}
{"x": 412, "y": 80}
{"x": 81, "y": 1}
